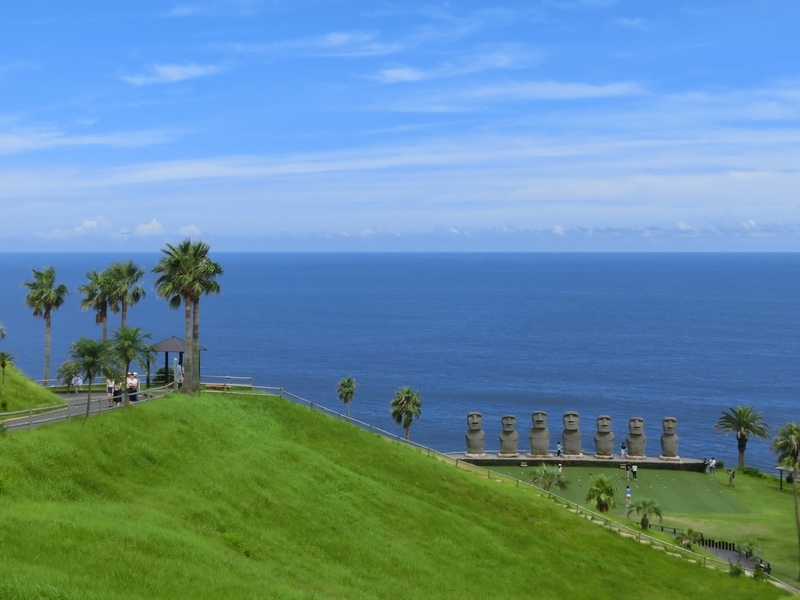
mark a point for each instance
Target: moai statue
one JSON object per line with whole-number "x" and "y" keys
{"x": 475, "y": 435}
{"x": 669, "y": 440}
{"x": 539, "y": 435}
{"x": 636, "y": 439}
{"x": 604, "y": 438}
{"x": 572, "y": 434}
{"x": 509, "y": 438}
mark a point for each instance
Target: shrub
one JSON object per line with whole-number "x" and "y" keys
{"x": 753, "y": 472}
{"x": 735, "y": 570}
{"x": 720, "y": 464}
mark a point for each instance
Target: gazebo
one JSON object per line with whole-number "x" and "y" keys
{"x": 173, "y": 344}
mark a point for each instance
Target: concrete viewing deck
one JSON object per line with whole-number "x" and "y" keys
{"x": 493, "y": 459}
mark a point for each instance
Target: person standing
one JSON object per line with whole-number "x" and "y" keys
{"x": 559, "y": 449}
{"x": 623, "y": 450}
{"x": 117, "y": 394}
{"x": 712, "y": 466}
{"x": 731, "y": 475}
{"x": 560, "y": 469}
{"x": 110, "y": 392}
{"x": 134, "y": 387}
{"x": 627, "y": 495}
{"x": 634, "y": 470}
{"x": 627, "y": 471}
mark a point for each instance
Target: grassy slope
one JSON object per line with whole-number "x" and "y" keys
{"x": 22, "y": 393}
{"x": 754, "y": 508}
{"x": 220, "y": 497}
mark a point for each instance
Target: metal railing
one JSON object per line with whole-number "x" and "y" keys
{"x": 225, "y": 381}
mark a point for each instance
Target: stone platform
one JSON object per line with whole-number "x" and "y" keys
{"x": 492, "y": 459}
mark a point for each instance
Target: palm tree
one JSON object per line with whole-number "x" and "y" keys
{"x": 601, "y": 494}
{"x": 646, "y": 508}
{"x": 744, "y": 422}
{"x": 98, "y": 296}
{"x": 91, "y": 357}
{"x": 546, "y": 478}
{"x": 6, "y": 358}
{"x": 185, "y": 273}
{"x": 405, "y": 407}
{"x": 129, "y": 344}
{"x": 44, "y": 296}
{"x": 124, "y": 287}
{"x": 346, "y": 390}
{"x": 787, "y": 446}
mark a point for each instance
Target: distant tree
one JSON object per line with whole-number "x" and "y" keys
{"x": 125, "y": 291}
{"x": 185, "y": 273}
{"x": 98, "y": 295}
{"x": 130, "y": 344}
{"x": 405, "y": 407}
{"x": 6, "y": 358}
{"x": 601, "y": 494}
{"x": 91, "y": 357}
{"x": 646, "y": 508}
{"x": 547, "y": 477}
{"x": 44, "y": 296}
{"x": 787, "y": 446}
{"x": 744, "y": 422}
{"x": 346, "y": 390}
{"x": 66, "y": 373}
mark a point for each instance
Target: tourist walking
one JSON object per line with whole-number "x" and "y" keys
{"x": 560, "y": 469}
{"x": 634, "y": 470}
{"x": 559, "y": 449}
{"x": 623, "y": 450}
{"x": 731, "y": 475}
{"x": 110, "y": 392}
{"x": 117, "y": 394}
{"x": 627, "y": 471}
{"x": 627, "y": 495}
{"x": 712, "y": 466}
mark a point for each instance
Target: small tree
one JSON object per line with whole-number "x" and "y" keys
{"x": 346, "y": 390}
{"x": 744, "y": 422}
{"x": 547, "y": 478}
{"x": 405, "y": 407}
{"x": 91, "y": 357}
{"x": 601, "y": 494}
{"x": 6, "y": 358}
{"x": 646, "y": 508}
{"x": 787, "y": 446}
{"x": 130, "y": 345}
{"x": 687, "y": 539}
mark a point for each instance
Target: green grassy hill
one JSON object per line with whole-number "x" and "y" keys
{"x": 254, "y": 497}
{"x": 21, "y": 392}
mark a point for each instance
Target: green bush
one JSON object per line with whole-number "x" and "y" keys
{"x": 752, "y": 472}
{"x": 720, "y": 464}
{"x": 736, "y": 570}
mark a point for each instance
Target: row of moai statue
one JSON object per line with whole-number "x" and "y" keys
{"x": 539, "y": 437}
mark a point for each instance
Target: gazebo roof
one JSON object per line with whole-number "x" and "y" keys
{"x": 173, "y": 344}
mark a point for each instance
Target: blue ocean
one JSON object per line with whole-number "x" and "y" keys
{"x": 650, "y": 335}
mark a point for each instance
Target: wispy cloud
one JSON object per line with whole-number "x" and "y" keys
{"x": 629, "y": 23}
{"x": 170, "y": 73}
{"x": 554, "y": 90}
{"x": 27, "y": 140}
{"x": 334, "y": 44}
{"x": 464, "y": 66}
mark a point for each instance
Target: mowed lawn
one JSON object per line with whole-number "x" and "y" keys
{"x": 255, "y": 497}
{"x": 753, "y": 508}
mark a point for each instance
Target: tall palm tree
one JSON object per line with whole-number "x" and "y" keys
{"x": 185, "y": 273}
{"x": 98, "y": 295}
{"x": 787, "y": 446}
{"x": 6, "y": 358}
{"x": 601, "y": 494}
{"x": 130, "y": 344}
{"x": 125, "y": 289}
{"x": 646, "y": 508}
{"x": 91, "y": 357}
{"x": 744, "y": 422}
{"x": 346, "y": 390}
{"x": 405, "y": 407}
{"x": 547, "y": 478}
{"x": 44, "y": 296}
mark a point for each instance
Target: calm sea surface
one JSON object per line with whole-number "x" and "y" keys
{"x": 648, "y": 335}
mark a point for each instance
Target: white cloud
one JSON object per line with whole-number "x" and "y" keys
{"x": 683, "y": 226}
{"x": 171, "y": 73}
{"x": 30, "y": 139}
{"x": 629, "y": 23}
{"x": 151, "y": 228}
{"x": 336, "y": 44}
{"x": 554, "y": 90}
{"x": 558, "y": 230}
{"x": 87, "y": 226}
{"x": 189, "y": 230}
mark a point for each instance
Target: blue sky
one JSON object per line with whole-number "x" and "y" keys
{"x": 553, "y": 125}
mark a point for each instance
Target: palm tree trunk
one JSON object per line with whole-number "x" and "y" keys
{"x": 187, "y": 354}
{"x": 796, "y": 511}
{"x": 742, "y": 444}
{"x": 348, "y": 410}
{"x": 408, "y": 431}
{"x": 105, "y": 325}
{"x": 46, "y": 347}
{"x": 90, "y": 377}
{"x": 124, "y": 318}
{"x": 741, "y": 458}
{"x": 196, "y": 344}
